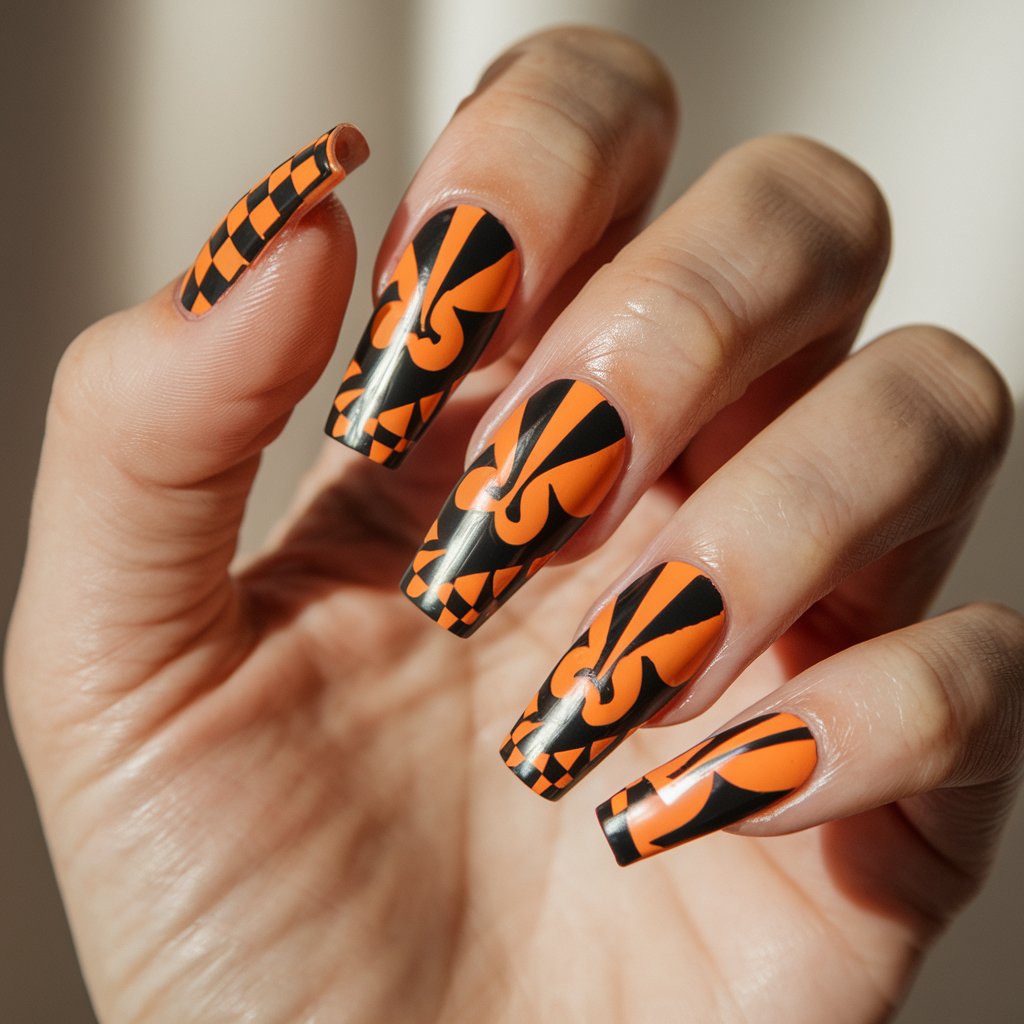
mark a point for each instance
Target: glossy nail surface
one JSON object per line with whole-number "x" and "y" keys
{"x": 544, "y": 473}
{"x": 290, "y": 190}
{"x": 721, "y": 781}
{"x": 636, "y": 655}
{"x": 431, "y": 324}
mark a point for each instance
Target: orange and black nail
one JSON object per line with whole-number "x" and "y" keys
{"x": 430, "y": 326}
{"x": 638, "y": 653}
{"x": 725, "y": 779}
{"x": 548, "y": 467}
{"x": 289, "y": 191}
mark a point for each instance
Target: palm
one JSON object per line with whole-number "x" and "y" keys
{"x": 328, "y": 833}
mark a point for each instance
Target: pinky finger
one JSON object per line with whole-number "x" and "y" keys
{"x": 929, "y": 716}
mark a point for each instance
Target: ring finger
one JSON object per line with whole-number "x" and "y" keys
{"x": 897, "y": 443}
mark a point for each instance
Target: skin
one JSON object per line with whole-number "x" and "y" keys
{"x": 272, "y": 791}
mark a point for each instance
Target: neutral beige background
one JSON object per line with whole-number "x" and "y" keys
{"x": 129, "y": 128}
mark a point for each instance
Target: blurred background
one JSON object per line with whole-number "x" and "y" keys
{"x": 130, "y": 127}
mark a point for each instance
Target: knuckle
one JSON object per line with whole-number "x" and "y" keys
{"x": 81, "y": 382}
{"x": 838, "y": 212}
{"x": 811, "y": 511}
{"x": 960, "y": 398}
{"x": 563, "y": 130}
{"x": 575, "y": 98}
{"x": 101, "y": 393}
{"x": 691, "y": 303}
{"x": 960, "y": 678}
{"x": 610, "y": 61}
{"x": 933, "y": 719}
{"x": 985, "y": 652}
{"x": 1007, "y": 623}
{"x": 993, "y": 636}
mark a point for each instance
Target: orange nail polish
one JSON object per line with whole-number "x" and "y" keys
{"x": 637, "y": 654}
{"x": 548, "y": 467}
{"x": 432, "y": 323}
{"x": 721, "y": 781}
{"x": 290, "y": 190}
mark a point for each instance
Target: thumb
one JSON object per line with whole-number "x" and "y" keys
{"x": 158, "y": 416}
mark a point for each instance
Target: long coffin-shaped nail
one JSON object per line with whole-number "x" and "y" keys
{"x": 431, "y": 324}
{"x": 289, "y": 191}
{"x": 546, "y": 470}
{"x": 637, "y": 654}
{"x": 726, "y": 778}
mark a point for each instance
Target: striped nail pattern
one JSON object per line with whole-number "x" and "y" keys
{"x": 636, "y": 655}
{"x": 432, "y": 323}
{"x": 549, "y": 466}
{"x": 726, "y": 778}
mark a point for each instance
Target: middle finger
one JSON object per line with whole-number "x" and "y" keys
{"x": 780, "y": 246}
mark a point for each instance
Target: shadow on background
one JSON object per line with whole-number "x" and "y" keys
{"x": 102, "y": 206}
{"x": 56, "y": 97}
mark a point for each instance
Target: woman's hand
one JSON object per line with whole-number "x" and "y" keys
{"x": 275, "y": 794}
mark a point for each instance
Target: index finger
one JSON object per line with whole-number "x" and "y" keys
{"x": 567, "y": 133}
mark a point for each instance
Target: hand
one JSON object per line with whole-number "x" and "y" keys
{"x": 275, "y": 793}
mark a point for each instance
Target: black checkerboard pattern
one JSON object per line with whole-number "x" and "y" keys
{"x": 385, "y": 444}
{"x": 253, "y": 221}
{"x": 545, "y": 774}
{"x": 446, "y": 605}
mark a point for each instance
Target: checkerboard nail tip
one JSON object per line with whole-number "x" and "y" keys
{"x": 545, "y": 471}
{"x": 641, "y": 650}
{"x": 290, "y": 190}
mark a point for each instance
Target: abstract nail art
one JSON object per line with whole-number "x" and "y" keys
{"x": 430, "y": 326}
{"x": 636, "y": 655}
{"x": 290, "y": 190}
{"x": 721, "y": 781}
{"x": 546, "y": 470}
